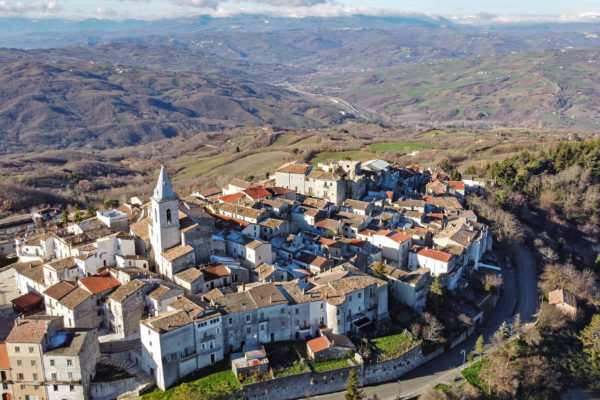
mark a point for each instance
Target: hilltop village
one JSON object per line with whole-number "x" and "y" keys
{"x": 163, "y": 286}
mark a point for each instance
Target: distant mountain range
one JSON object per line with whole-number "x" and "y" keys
{"x": 101, "y": 83}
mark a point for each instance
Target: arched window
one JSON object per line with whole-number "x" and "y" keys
{"x": 168, "y": 216}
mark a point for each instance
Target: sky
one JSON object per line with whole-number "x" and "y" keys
{"x": 460, "y": 10}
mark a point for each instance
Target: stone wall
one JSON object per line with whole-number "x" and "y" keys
{"x": 312, "y": 384}
{"x": 110, "y": 389}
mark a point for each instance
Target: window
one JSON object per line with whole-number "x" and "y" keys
{"x": 168, "y": 216}
{"x": 33, "y": 363}
{"x": 247, "y": 318}
{"x": 34, "y": 377}
{"x": 69, "y": 363}
{"x": 297, "y": 311}
{"x": 262, "y": 315}
{"x": 359, "y": 295}
{"x": 282, "y": 311}
{"x": 70, "y": 375}
{"x": 71, "y": 388}
{"x": 54, "y": 376}
{"x": 55, "y": 387}
{"x": 230, "y": 321}
{"x": 52, "y": 363}
{"x": 321, "y": 306}
{"x": 19, "y": 363}
{"x": 17, "y": 349}
{"x": 247, "y": 330}
{"x": 349, "y": 298}
{"x": 31, "y": 349}
{"x": 20, "y": 376}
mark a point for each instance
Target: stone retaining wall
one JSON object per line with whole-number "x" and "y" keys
{"x": 312, "y": 384}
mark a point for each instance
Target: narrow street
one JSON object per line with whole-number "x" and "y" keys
{"x": 520, "y": 296}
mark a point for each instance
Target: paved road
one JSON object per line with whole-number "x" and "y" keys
{"x": 520, "y": 296}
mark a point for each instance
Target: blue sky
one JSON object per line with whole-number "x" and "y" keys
{"x": 461, "y": 10}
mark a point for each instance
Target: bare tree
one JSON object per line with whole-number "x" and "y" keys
{"x": 432, "y": 329}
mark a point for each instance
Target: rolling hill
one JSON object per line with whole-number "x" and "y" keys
{"x": 97, "y": 106}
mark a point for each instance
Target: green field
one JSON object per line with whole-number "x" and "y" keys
{"x": 202, "y": 381}
{"x": 356, "y": 155}
{"x": 394, "y": 345}
{"x": 324, "y": 366}
{"x": 405, "y": 148}
{"x": 471, "y": 374}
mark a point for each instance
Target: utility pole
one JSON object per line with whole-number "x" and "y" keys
{"x": 464, "y": 353}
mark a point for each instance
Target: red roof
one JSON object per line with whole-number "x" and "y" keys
{"x": 27, "y": 300}
{"x": 367, "y": 232}
{"x": 413, "y": 167}
{"x": 231, "y": 198}
{"x": 437, "y": 215}
{"x": 217, "y": 270}
{"x": 428, "y": 198}
{"x": 390, "y": 194}
{"x": 99, "y": 284}
{"x": 4, "y": 363}
{"x": 229, "y": 221}
{"x": 318, "y": 344}
{"x": 396, "y": 236}
{"x": 435, "y": 254}
{"x": 327, "y": 242}
{"x": 257, "y": 193}
{"x": 458, "y": 185}
{"x": 210, "y": 192}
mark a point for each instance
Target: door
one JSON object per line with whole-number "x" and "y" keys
{"x": 212, "y": 359}
{"x": 272, "y": 337}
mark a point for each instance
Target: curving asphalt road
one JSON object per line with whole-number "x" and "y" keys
{"x": 520, "y": 296}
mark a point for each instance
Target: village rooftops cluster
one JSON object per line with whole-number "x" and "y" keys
{"x": 314, "y": 253}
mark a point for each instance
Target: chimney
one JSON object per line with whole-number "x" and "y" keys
{"x": 270, "y": 298}
{"x": 243, "y": 286}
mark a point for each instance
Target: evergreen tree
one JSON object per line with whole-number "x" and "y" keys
{"x": 90, "y": 211}
{"x": 77, "y": 214}
{"x": 502, "y": 332}
{"x": 517, "y": 325}
{"x": 480, "y": 346}
{"x": 590, "y": 338}
{"x": 436, "y": 287}
{"x": 64, "y": 218}
{"x": 352, "y": 389}
{"x": 379, "y": 271}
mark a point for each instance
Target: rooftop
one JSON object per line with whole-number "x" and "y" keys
{"x": 99, "y": 284}
{"x": 126, "y": 290}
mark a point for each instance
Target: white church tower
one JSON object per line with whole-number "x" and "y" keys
{"x": 165, "y": 216}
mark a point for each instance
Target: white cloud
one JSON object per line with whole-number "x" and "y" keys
{"x": 35, "y": 7}
{"x": 486, "y": 18}
{"x": 198, "y": 3}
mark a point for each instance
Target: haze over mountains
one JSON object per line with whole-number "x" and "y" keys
{"x": 101, "y": 83}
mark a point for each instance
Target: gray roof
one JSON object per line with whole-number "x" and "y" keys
{"x": 164, "y": 190}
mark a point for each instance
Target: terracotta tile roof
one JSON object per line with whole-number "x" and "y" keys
{"x": 61, "y": 264}
{"x": 356, "y": 204}
{"x": 99, "y": 284}
{"x": 217, "y": 270}
{"x": 273, "y": 223}
{"x": 266, "y": 295}
{"x": 457, "y": 185}
{"x": 210, "y": 192}
{"x": 189, "y": 275}
{"x": 435, "y": 254}
{"x": 231, "y": 198}
{"x": 28, "y": 331}
{"x": 560, "y": 296}
{"x": 140, "y": 228}
{"x": 35, "y": 273}
{"x": 176, "y": 252}
{"x": 329, "y": 224}
{"x": 27, "y": 300}
{"x": 279, "y": 191}
{"x": 126, "y": 290}
{"x": 75, "y": 298}
{"x": 318, "y": 344}
{"x": 314, "y": 202}
{"x": 255, "y": 244}
{"x": 295, "y": 167}
{"x": 192, "y": 307}
{"x": 59, "y": 290}
{"x": 257, "y": 193}
{"x": 239, "y": 183}
{"x": 213, "y": 294}
{"x": 168, "y": 321}
{"x": 4, "y": 363}
{"x": 264, "y": 271}
{"x": 159, "y": 292}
